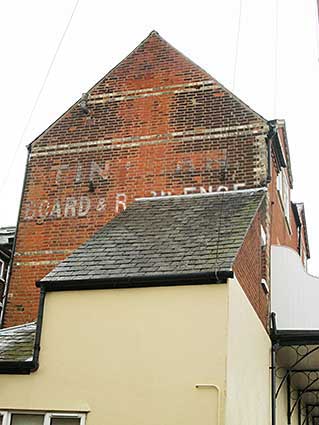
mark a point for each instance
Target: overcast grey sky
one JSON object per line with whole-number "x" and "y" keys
{"x": 103, "y": 32}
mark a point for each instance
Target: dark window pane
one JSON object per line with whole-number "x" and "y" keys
{"x": 21, "y": 419}
{"x": 65, "y": 421}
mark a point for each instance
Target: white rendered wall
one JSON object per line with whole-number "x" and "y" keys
{"x": 294, "y": 292}
{"x": 248, "y": 397}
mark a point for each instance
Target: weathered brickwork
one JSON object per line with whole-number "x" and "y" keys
{"x": 249, "y": 269}
{"x": 156, "y": 124}
{"x": 283, "y": 231}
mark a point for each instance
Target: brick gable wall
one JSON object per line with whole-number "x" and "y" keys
{"x": 156, "y": 124}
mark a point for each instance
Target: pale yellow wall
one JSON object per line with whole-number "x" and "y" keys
{"x": 134, "y": 356}
{"x": 248, "y": 397}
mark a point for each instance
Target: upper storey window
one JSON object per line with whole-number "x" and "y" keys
{"x": 284, "y": 193}
{"x": 2, "y": 274}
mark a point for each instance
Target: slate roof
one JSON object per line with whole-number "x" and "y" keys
{"x": 16, "y": 344}
{"x": 164, "y": 236}
{"x": 6, "y": 233}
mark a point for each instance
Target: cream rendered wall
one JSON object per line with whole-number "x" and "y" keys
{"x": 248, "y": 397}
{"x": 132, "y": 356}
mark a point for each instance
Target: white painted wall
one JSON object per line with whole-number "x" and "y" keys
{"x": 248, "y": 397}
{"x": 294, "y": 292}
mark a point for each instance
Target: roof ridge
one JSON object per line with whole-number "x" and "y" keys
{"x": 18, "y": 326}
{"x": 198, "y": 195}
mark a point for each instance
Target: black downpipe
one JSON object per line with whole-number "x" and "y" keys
{"x": 6, "y": 290}
{"x": 37, "y": 347}
{"x": 299, "y": 239}
{"x": 271, "y": 133}
{"x": 269, "y": 173}
{"x": 273, "y": 385}
{"x": 288, "y": 399}
{"x": 273, "y": 369}
{"x": 299, "y": 407}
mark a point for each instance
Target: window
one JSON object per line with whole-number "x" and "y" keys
{"x": 22, "y": 419}
{"x": 1, "y": 275}
{"x": 40, "y": 418}
{"x": 263, "y": 236}
{"x": 283, "y": 190}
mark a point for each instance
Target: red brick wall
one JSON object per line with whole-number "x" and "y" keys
{"x": 157, "y": 124}
{"x": 282, "y": 233}
{"x": 249, "y": 269}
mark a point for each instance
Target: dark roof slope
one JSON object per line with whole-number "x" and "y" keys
{"x": 16, "y": 344}
{"x": 165, "y": 236}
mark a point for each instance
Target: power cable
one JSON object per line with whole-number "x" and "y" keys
{"x": 237, "y": 44}
{"x": 39, "y": 94}
{"x": 221, "y": 211}
{"x": 224, "y": 170}
{"x": 276, "y": 41}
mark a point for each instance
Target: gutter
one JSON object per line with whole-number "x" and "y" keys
{"x": 273, "y": 136}
{"x": 288, "y": 337}
{"x": 271, "y": 133}
{"x": 298, "y": 224}
{"x": 169, "y": 279}
{"x": 16, "y": 368}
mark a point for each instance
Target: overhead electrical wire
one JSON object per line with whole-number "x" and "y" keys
{"x": 224, "y": 171}
{"x": 276, "y": 43}
{"x": 237, "y": 44}
{"x": 26, "y": 127}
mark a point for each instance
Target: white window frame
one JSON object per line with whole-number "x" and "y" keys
{"x": 2, "y": 267}
{"x": 263, "y": 236}
{"x": 4, "y": 416}
{"x": 284, "y": 193}
{"x": 47, "y": 416}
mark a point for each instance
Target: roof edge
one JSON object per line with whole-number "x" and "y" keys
{"x": 199, "y": 195}
{"x": 286, "y": 337}
{"x": 17, "y": 326}
{"x": 152, "y": 33}
{"x": 155, "y": 280}
{"x": 16, "y": 367}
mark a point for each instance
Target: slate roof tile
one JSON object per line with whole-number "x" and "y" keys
{"x": 169, "y": 234}
{"x": 16, "y": 344}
